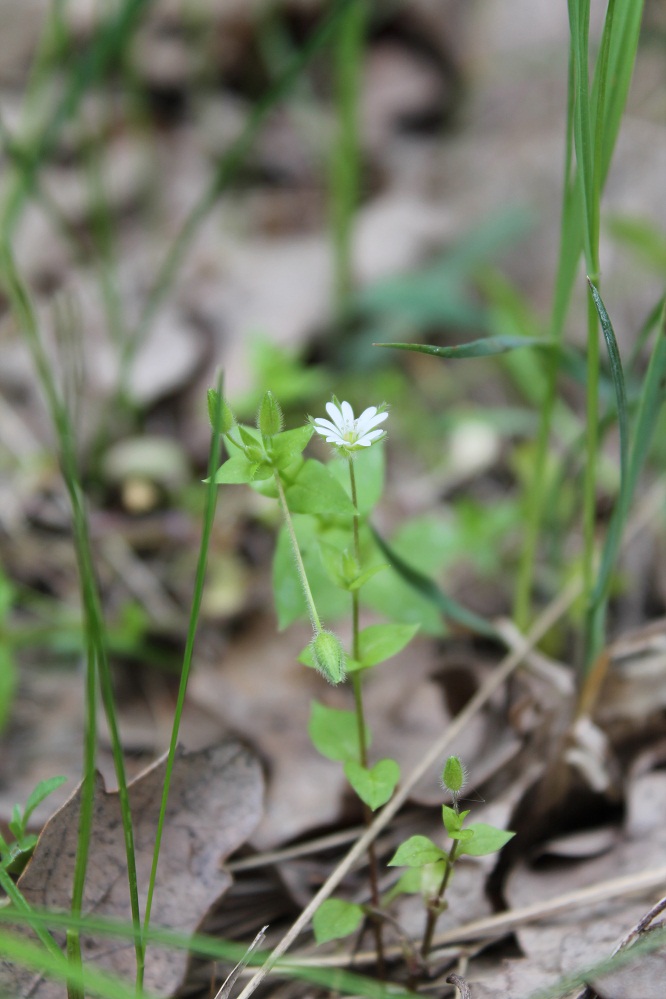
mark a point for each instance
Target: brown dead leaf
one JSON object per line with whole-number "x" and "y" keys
{"x": 564, "y": 943}
{"x": 215, "y": 803}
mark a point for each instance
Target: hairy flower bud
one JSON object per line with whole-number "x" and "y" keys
{"x": 329, "y": 656}
{"x": 219, "y": 412}
{"x": 269, "y": 417}
{"x": 454, "y": 776}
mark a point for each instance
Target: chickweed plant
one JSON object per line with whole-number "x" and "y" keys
{"x": 270, "y": 460}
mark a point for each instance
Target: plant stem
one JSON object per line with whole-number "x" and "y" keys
{"x": 435, "y": 906}
{"x": 302, "y": 575}
{"x": 360, "y": 721}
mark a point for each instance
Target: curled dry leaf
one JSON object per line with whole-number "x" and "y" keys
{"x": 214, "y": 804}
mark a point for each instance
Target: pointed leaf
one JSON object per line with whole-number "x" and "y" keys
{"x": 379, "y": 642}
{"x": 415, "y": 852}
{"x": 289, "y": 445}
{"x": 486, "y": 839}
{"x": 236, "y": 470}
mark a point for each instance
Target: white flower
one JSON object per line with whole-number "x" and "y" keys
{"x": 346, "y": 432}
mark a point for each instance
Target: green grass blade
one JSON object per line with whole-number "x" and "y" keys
{"x": 650, "y": 401}
{"x": 85, "y": 981}
{"x": 98, "y": 671}
{"x": 200, "y": 576}
{"x": 486, "y": 347}
{"x": 427, "y": 588}
{"x": 346, "y": 165}
{"x": 579, "y": 22}
{"x": 617, "y": 375}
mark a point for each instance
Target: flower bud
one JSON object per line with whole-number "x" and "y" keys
{"x": 269, "y": 417}
{"x": 329, "y": 656}
{"x": 219, "y": 412}
{"x": 454, "y": 776}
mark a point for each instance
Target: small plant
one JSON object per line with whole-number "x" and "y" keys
{"x": 270, "y": 459}
{"x": 16, "y": 853}
{"x": 433, "y": 865}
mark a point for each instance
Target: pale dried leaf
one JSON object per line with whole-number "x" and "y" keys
{"x": 214, "y": 804}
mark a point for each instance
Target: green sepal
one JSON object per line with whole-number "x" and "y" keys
{"x": 485, "y": 839}
{"x": 335, "y": 919}
{"x": 415, "y": 852}
{"x": 373, "y": 785}
{"x": 334, "y": 733}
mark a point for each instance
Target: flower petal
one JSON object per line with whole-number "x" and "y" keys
{"x": 347, "y": 413}
{"x": 369, "y": 419}
{"x": 324, "y": 426}
{"x": 335, "y": 414}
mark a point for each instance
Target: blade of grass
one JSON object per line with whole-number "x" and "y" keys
{"x": 200, "y": 577}
{"x": 427, "y": 588}
{"x": 89, "y": 980}
{"x": 97, "y": 672}
{"x": 598, "y": 596}
{"x": 345, "y": 170}
{"x": 623, "y": 30}
{"x": 486, "y": 347}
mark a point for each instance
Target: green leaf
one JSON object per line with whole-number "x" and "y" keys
{"x": 486, "y": 839}
{"x": 334, "y": 733}
{"x": 315, "y": 491}
{"x": 409, "y": 883}
{"x": 415, "y": 852}
{"x": 41, "y": 791}
{"x": 379, "y": 642}
{"x": 289, "y": 445}
{"x": 453, "y": 820}
{"x": 335, "y": 919}
{"x": 249, "y": 436}
{"x": 486, "y": 347}
{"x": 374, "y": 786}
{"x": 236, "y": 470}
{"x": 289, "y": 600}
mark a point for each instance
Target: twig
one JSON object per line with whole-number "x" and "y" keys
{"x": 461, "y": 985}
{"x": 642, "y": 926}
{"x": 230, "y": 980}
